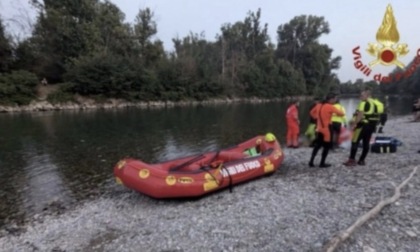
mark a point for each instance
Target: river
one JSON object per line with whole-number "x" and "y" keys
{"x": 58, "y": 159}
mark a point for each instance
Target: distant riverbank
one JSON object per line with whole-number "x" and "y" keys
{"x": 83, "y": 103}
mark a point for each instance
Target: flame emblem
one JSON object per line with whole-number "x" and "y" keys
{"x": 387, "y": 50}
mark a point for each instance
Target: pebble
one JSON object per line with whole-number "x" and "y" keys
{"x": 368, "y": 249}
{"x": 411, "y": 233}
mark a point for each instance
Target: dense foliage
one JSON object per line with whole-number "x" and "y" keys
{"x": 404, "y": 81}
{"x": 17, "y": 87}
{"x": 88, "y": 45}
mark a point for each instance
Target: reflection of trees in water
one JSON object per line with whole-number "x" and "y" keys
{"x": 41, "y": 181}
{"x": 27, "y": 181}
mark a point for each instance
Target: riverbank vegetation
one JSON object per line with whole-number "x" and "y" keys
{"x": 89, "y": 49}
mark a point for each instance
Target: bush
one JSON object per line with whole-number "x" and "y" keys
{"x": 101, "y": 74}
{"x": 17, "y": 87}
{"x": 62, "y": 95}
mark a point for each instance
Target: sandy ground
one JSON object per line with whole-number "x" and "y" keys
{"x": 296, "y": 209}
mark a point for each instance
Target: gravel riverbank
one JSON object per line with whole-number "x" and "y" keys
{"x": 296, "y": 209}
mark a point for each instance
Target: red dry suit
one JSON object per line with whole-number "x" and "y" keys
{"x": 323, "y": 114}
{"x": 292, "y": 121}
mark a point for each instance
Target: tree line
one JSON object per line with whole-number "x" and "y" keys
{"x": 88, "y": 48}
{"x": 403, "y": 81}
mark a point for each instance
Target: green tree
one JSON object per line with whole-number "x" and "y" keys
{"x": 404, "y": 81}
{"x": 17, "y": 87}
{"x": 144, "y": 29}
{"x": 5, "y": 50}
{"x": 113, "y": 34}
{"x": 298, "y": 43}
{"x": 291, "y": 79}
{"x": 64, "y": 30}
{"x": 240, "y": 43}
{"x": 197, "y": 66}
{"x": 103, "y": 74}
{"x": 26, "y": 56}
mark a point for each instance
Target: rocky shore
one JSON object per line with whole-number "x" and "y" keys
{"x": 296, "y": 209}
{"x": 83, "y": 103}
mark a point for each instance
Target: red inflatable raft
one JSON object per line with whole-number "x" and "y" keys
{"x": 204, "y": 173}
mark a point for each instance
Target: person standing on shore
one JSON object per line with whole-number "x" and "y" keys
{"x": 337, "y": 123}
{"x": 363, "y": 127}
{"x": 323, "y": 114}
{"x": 292, "y": 121}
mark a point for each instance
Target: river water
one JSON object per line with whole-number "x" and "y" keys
{"x": 54, "y": 160}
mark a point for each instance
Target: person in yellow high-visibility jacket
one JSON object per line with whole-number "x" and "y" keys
{"x": 337, "y": 123}
{"x": 363, "y": 126}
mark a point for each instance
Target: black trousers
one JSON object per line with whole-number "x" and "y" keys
{"x": 321, "y": 143}
{"x": 363, "y": 133}
{"x": 382, "y": 120}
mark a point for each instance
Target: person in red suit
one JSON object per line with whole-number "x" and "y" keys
{"x": 292, "y": 120}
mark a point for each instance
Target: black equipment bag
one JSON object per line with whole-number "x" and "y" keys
{"x": 384, "y": 145}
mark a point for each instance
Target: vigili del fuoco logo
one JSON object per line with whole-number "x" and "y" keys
{"x": 387, "y": 51}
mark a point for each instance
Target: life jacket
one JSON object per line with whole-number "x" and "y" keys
{"x": 336, "y": 118}
{"x": 379, "y": 106}
{"x": 370, "y": 111}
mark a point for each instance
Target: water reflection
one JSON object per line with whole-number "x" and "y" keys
{"x": 41, "y": 182}
{"x": 173, "y": 149}
{"x": 68, "y": 155}
{"x": 350, "y": 106}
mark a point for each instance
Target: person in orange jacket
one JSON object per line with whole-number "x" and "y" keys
{"x": 323, "y": 113}
{"x": 292, "y": 121}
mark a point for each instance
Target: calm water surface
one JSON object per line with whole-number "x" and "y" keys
{"x": 59, "y": 159}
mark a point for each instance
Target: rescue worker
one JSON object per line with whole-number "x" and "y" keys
{"x": 337, "y": 123}
{"x": 363, "y": 127}
{"x": 323, "y": 113}
{"x": 310, "y": 132}
{"x": 292, "y": 120}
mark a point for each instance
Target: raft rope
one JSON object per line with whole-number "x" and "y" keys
{"x": 230, "y": 179}
{"x": 222, "y": 167}
{"x": 208, "y": 168}
{"x": 215, "y": 156}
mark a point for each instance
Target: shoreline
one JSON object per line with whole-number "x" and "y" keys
{"x": 297, "y": 209}
{"x": 90, "y": 104}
